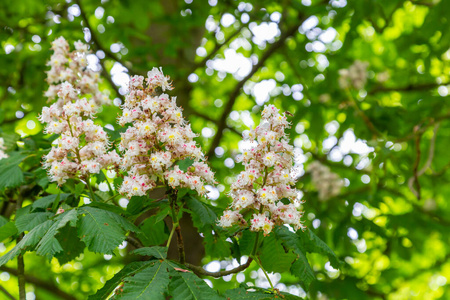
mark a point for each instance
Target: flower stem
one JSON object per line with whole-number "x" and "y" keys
{"x": 171, "y": 235}
{"x": 89, "y": 187}
{"x": 20, "y": 262}
{"x": 265, "y": 273}
{"x": 175, "y": 224}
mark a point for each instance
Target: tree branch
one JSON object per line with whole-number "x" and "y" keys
{"x": 417, "y": 172}
{"x": 408, "y": 88}
{"x": 20, "y": 262}
{"x": 235, "y": 93}
{"x": 52, "y": 288}
{"x": 200, "y": 271}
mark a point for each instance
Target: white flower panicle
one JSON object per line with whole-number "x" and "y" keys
{"x": 265, "y": 185}
{"x": 2, "y": 148}
{"x": 157, "y": 139}
{"x": 328, "y": 184}
{"x": 355, "y": 76}
{"x": 71, "y": 68}
{"x": 82, "y": 147}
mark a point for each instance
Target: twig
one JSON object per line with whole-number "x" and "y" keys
{"x": 20, "y": 262}
{"x": 172, "y": 194}
{"x": 417, "y": 172}
{"x": 200, "y": 271}
{"x": 415, "y": 177}
{"x": 135, "y": 242}
{"x": 51, "y": 287}
{"x": 363, "y": 116}
{"x": 408, "y": 88}
{"x": 236, "y": 91}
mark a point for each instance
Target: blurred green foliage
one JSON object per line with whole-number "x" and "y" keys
{"x": 389, "y": 225}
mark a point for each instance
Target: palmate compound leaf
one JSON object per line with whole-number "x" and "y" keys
{"x": 272, "y": 249}
{"x": 47, "y": 201}
{"x": 111, "y": 284}
{"x": 187, "y": 286}
{"x": 29, "y": 240}
{"x": 27, "y": 222}
{"x": 204, "y": 218}
{"x": 312, "y": 243}
{"x": 102, "y": 231}
{"x": 7, "y": 230}
{"x": 71, "y": 244}
{"x": 202, "y": 213}
{"x": 300, "y": 268}
{"x": 11, "y": 174}
{"x": 150, "y": 282}
{"x": 153, "y": 232}
{"x": 49, "y": 245}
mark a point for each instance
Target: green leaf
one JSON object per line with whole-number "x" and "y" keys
{"x": 162, "y": 213}
{"x": 216, "y": 245}
{"x": 247, "y": 241}
{"x": 185, "y": 164}
{"x": 136, "y": 204}
{"x": 202, "y": 214}
{"x": 99, "y": 230}
{"x": 29, "y": 221}
{"x": 149, "y": 283}
{"x": 29, "y": 240}
{"x": 49, "y": 245}
{"x": 70, "y": 243}
{"x": 312, "y": 243}
{"x": 272, "y": 248}
{"x": 46, "y": 201}
{"x": 153, "y": 233}
{"x": 187, "y": 286}
{"x": 79, "y": 188}
{"x": 11, "y": 174}
{"x": 111, "y": 284}
{"x": 123, "y": 222}
{"x": 3, "y": 220}
{"x": 300, "y": 267}
{"x": 157, "y": 252}
{"x": 7, "y": 230}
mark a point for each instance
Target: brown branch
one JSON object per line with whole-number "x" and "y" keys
{"x": 235, "y": 93}
{"x": 51, "y": 287}
{"x": 135, "y": 242}
{"x": 415, "y": 177}
{"x": 180, "y": 244}
{"x": 408, "y": 88}
{"x": 200, "y": 271}
{"x": 20, "y": 262}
